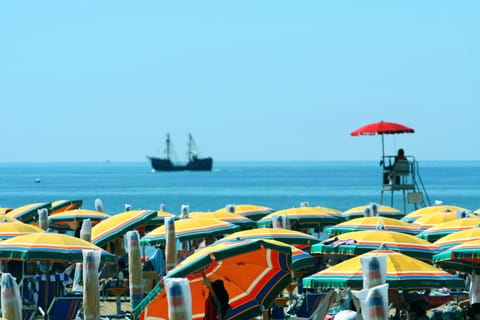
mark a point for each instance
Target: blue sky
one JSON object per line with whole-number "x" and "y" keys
{"x": 251, "y": 80}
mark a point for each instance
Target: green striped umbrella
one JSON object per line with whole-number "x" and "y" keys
{"x": 403, "y": 272}
{"x": 443, "y": 229}
{"x": 464, "y": 257}
{"x": 359, "y": 242}
{"x": 303, "y": 217}
{"x": 48, "y": 246}
{"x": 372, "y": 223}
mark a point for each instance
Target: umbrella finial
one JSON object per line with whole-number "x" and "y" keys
{"x": 98, "y": 205}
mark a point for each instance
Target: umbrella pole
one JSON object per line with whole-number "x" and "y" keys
{"x": 214, "y": 296}
{"x": 383, "y": 150}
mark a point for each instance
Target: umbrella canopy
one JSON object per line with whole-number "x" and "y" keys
{"x": 414, "y": 215}
{"x": 303, "y": 217}
{"x": 381, "y": 128}
{"x": 250, "y": 211}
{"x": 254, "y": 272}
{"x": 72, "y": 219}
{"x": 191, "y": 229}
{"x": 159, "y": 219}
{"x": 432, "y": 219}
{"x": 372, "y": 223}
{"x": 464, "y": 257}
{"x": 48, "y": 246}
{"x": 29, "y": 212}
{"x": 296, "y": 238}
{"x": 14, "y": 229}
{"x": 384, "y": 211}
{"x": 457, "y": 238}
{"x": 241, "y": 221}
{"x": 117, "y": 225}
{"x": 403, "y": 272}
{"x": 65, "y": 205}
{"x": 443, "y": 229}
{"x": 359, "y": 242}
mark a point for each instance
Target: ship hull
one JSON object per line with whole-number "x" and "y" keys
{"x": 161, "y": 164}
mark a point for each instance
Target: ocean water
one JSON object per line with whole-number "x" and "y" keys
{"x": 279, "y": 185}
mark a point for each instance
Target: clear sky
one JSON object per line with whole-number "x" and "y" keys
{"x": 255, "y": 80}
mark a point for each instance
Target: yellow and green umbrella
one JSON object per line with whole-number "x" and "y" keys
{"x": 72, "y": 219}
{"x": 383, "y": 211}
{"x": 359, "y": 242}
{"x": 403, "y": 272}
{"x": 464, "y": 257}
{"x": 303, "y": 217}
{"x": 191, "y": 229}
{"x": 48, "y": 246}
{"x": 414, "y": 215}
{"x": 457, "y": 238}
{"x": 372, "y": 223}
{"x": 298, "y": 239}
{"x": 14, "y": 229}
{"x": 254, "y": 273}
{"x": 432, "y": 219}
{"x": 65, "y": 205}
{"x": 118, "y": 225}
{"x": 241, "y": 221}
{"x": 29, "y": 212}
{"x": 443, "y": 229}
{"x": 159, "y": 219}
{"x": 250, "y": 211}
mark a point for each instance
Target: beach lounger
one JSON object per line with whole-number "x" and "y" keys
{"x": 63, "y": 308}
{"x": 315, "y": 305}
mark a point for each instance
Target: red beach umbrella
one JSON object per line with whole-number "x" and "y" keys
{"x": 381, "y": 128}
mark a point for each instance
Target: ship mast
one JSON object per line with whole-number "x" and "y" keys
{"x": 168, "y": 146}
{"x": 189, "y": 147}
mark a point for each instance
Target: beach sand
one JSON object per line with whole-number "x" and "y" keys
{"x": 109, "y": 307}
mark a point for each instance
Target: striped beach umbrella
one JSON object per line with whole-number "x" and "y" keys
{"x": 14, "y": 229}
{"x": 29, "y": 212}
{"x": 303, "y": 217}
{"x": 464, "y": 257}
{"x": 414, "y": 215}
{"x": 360, "y": 242}
{"x": 191, "y": 229}
{"x": 383, "y": 211}
{"x": 372, "y": 223}
{"x": 250, "y": 211}
{"x": 433, "y": 219}
{"x": 457, "y": 238}
{"x": 241, "y": 221}
{"x": 403, "y": 272}
{"x": 298, "y": 239}
{"x": 118, "y": 225}
{"x": 48, "y": 246}
{"x": 65, "y": 205}
{"x": 72, "y": 219}
{"x": 443, "y": 229}
{"x": 254, "y": 272}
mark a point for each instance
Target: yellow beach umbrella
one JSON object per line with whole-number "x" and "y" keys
{"x": 191, "y": 229}
{"x": 118, "y": 225}
{"x": 414, "y": 215}
{"x": 432, "y": 219}
{"x": 5, "y": 210}
{"x": 457, "y": 238}
{"x": 65, "y": 205}
{"x": 303, "y": 217}
{"x": 373, "y": 223}
{"x": 14, "y": 229}
{"x": 443, "y": 229}
{"x": 403, "y": 272}
{"x": 250, "y": 211}
{"x": 298, "y": 239}
{"x": 359, "y": 242}
{"x": 384, "y": 211}
{"x": 28, "y": 212}
{"x": 73, "y": 218}
{"x": 241, "y": 221}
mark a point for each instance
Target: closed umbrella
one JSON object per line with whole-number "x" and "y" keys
{"x": 134, "y": 268}
{"x": 11, "y": 300}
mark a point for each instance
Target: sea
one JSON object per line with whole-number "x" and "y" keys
{"x": 340, "y": 185}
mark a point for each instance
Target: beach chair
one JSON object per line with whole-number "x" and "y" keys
{"x": 63, "y": 308}
{"x": 315, "y": 305}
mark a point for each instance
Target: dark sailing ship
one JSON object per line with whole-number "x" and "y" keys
{"x": 194, "y": 162}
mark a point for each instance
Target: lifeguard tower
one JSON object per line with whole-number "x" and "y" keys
{"x": 402, "y": 176}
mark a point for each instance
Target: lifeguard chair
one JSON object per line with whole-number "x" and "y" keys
{"x": 401, "y": 176}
